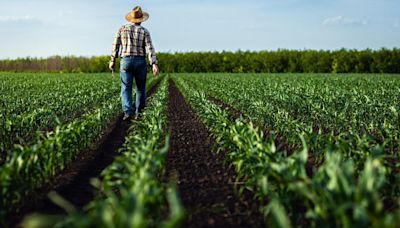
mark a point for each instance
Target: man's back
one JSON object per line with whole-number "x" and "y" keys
{"x": 133, "y": 39}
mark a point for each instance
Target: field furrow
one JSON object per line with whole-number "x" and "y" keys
{"x": 28, "y": 168}
{"x": 205, "y": 184}
{"x": 129, "y": 189}
{"x": 74, "y": 183}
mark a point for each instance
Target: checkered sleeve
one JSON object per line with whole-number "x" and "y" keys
{"x": 150, "y": 48}
{"x": 115, "y": 46}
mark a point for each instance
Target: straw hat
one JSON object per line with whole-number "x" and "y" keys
{"x": 137, "y": 15}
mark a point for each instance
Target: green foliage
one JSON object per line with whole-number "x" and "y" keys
{"x": 347, "y": 189}
{"x": 130, "y": 193}
{"x": 39, "y": 102}
{"x": 27, "y": 166}
{"x": 280, "y": 61}
{"x": 359, "y": 109}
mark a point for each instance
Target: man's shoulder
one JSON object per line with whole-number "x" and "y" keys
{"x": 126, "y": 26}
{"x": 132, "y": 26}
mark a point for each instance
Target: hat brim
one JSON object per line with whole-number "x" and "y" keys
{"x": 130, "y": 17}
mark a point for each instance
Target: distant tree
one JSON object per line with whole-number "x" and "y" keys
{"x": 280, "y": 61}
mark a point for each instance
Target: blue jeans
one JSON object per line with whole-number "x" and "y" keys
{"x": 133, "y": 67}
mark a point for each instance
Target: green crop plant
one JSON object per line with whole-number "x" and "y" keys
{"x": 38, "y": 103}
{"x": 26, "y": 168}
{"x": 130, "y": 194}
{"x": 358, "y": 113}
{"x": 340, "y": 193}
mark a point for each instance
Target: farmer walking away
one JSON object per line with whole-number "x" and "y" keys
{"x": 131, "y": 42}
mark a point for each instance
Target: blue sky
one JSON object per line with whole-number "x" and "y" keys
{"x": 43, "y": 28}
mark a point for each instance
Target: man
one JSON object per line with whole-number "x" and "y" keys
{"x": 133, "y": 40}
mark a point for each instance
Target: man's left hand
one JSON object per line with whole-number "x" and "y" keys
{"x": 111, "y": 66}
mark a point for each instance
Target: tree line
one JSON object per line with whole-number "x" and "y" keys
{"x": 280, "y": 61}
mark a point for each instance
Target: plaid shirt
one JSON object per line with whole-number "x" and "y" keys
{"x": 133, "y": 39}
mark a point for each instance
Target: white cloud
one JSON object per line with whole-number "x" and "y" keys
{"x": 6, "y": 19}
{"x": 19, "y": 22}
{"x": 341, "y": 20}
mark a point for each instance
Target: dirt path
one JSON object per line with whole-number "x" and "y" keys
{"x": 205, "y": 184}
{"x": 73, "y": 184}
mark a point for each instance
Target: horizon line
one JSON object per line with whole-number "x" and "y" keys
{"x": 207, "y": 51}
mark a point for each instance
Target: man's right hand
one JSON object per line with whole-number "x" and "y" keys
{"x": 111, "y": 66}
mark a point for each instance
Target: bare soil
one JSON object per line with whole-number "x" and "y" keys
{"x": 206, "y": 185}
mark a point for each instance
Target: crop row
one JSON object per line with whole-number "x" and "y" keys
{"x": 130, "y": 194}
{"x": 28, "y": 167}
{"x": 31, "y": 103}
{"x": 338, "y": 194}
{"x": 361, "y": 114}
{"x": 326, "y": 105}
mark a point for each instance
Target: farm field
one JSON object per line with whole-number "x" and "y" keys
{"x": 39, "y": 102}
{"x": 323, "y": 144}
{"x": 210, "y": 149}
{"x": 50, "y": 122}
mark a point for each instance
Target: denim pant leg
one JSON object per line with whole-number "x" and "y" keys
{"x": 140, "y": 79}
{"x": 126, "y": 87}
